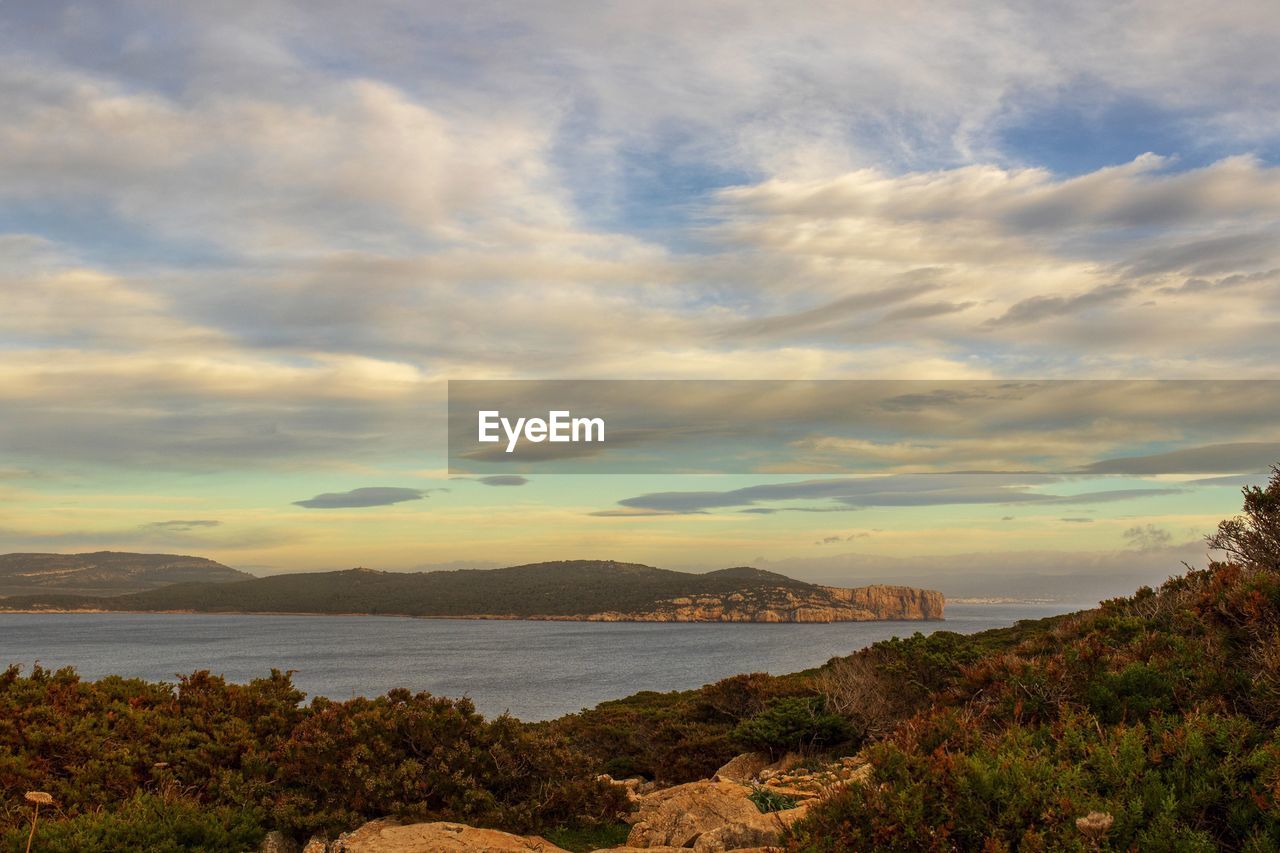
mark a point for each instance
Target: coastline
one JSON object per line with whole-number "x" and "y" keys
{"x": 479, "y": 617}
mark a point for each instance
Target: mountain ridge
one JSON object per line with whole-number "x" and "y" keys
{"x": 106, "y": 572}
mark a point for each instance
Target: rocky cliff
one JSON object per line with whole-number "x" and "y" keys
{"x": 786, "y": 604}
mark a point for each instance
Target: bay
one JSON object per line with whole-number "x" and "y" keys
{"x": 534, "y": 670}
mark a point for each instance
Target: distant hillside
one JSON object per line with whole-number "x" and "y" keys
{"x": 106, "y": 573}
{"x": 581, "y": 589}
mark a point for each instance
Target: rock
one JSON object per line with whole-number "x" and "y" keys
{"x": 634, "y": 786}
{"x": 277, "y": 842}
{"x": 388, "y": 836}
{"x": 782, "y": 765}
{"x": 892, "y": 602}
{"x": 786, "y": 604}
{"x": 682, "y": 850}
{"x": 736, "y": 836}
{"x": 678, "y": 816}
{"x": 760, "y": 830}
{"x": 797, "y": 793}
{"x": 316, "y": 845}
{"x": 743, "y": 768}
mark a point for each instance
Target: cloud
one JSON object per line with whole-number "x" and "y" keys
{"x": 1030, "y": 260}
{"x": 1040, "y": 307}
{"x": 254, "y": 173}
{"x": 642, "y": 512}
{"x": 927, "y": 309}
{"x": 260, "y": 243}
{"x": 1209, "y": 459}
{"x": 1148, "y": 537}
{"x": 902, "y": 490}
{"x": 497, "y": 480}
{"x": 850, "y": 537}
{"x": 865, "y": 427}
{"x": 200, "y": 536}
{"x": 1238, "y": 480}
{"x": 182, "y": 525}
{"x": 367, "y": 496}
{"x": 836, "y": 312}
{"x": 503, "y": 480}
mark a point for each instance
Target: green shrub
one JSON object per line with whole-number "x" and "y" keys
{"x": 1132, "y": 694}
{"x": 1199, "y": 782}
{"x": 96, "y": 746}
{"x": 792, "y": 723}
{"x": 147, "y": 822}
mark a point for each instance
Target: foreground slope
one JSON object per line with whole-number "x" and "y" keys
{"x": 106, "y": 572}
{"x": 578, "y": 590}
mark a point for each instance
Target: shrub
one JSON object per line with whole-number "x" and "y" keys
{"x": 1137, "y": 691}
{"x": 792, "y": 723}
{"x": 99, "y": 746}
{"x": 859, "y": 690}
{"x": 148, "y": 822}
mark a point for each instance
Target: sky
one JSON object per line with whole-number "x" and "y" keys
{"x": 245, "y": 245}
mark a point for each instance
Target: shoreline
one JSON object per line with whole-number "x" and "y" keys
{"x": 480, "y": 617}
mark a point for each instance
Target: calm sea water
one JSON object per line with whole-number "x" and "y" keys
{"x": 535, "y": 670}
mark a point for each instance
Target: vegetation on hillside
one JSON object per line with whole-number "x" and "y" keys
{"x": 566, "y": 588}
{"x": 228, "y": 762}
{"x": 104, "y": 573}
{"x": 1158, "y": 711}
{"x": 1155, "y": 713}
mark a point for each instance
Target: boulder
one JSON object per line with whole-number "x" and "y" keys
{"x": 782, "y": 765}
{"x": 634, "y": 786}
{"x": 676, "y": 817}
{"x": 316, "y": 845}
{"x": 682, "y": 850}
{"x": 388, "y": 836}
{"x": 758, "y": 831}
{"x": 743, "y": 768}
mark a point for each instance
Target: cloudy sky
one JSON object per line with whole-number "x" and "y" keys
{"x": 243, "y": 246}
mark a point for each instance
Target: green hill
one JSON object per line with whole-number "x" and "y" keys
{"x": 105, "y": 573}
{"x": 563, "y": 589}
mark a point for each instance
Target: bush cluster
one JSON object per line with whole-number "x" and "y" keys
{"x": 1158, "y": 711}
{"x": 252, "y": 757}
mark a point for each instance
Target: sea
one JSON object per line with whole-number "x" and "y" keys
{"x": 533, "y": 670}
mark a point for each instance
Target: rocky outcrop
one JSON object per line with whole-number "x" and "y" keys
{"x": 716, "y": 816}
{"x": 743, "y": 768}
{"x": 387, "y": 836}
{"x": 892, "y": 602}
{"x": 708, "y": 817}
{"x": 788, "y": 604}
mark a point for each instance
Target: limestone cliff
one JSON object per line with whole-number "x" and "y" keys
{"x": 787, "y": 604}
